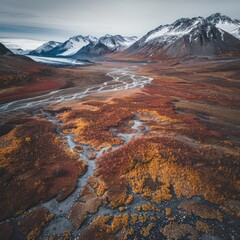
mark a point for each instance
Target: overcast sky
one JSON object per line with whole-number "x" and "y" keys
{"x": 60, "y": 19}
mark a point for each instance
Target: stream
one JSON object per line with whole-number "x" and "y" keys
{"x": 61, "y": 223}
{"x": 122, "y": 79}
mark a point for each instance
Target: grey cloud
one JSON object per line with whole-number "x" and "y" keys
{"x": 16, "y": 14}
{"x": 98, "y": 17}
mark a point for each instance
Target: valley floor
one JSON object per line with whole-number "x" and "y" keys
{"x": 150, "y": 151}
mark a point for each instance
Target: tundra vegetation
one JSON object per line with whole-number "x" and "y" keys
{"x": 177, "y": 177}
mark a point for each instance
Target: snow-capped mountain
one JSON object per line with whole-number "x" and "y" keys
{"x": 87, "y": 46}
{"x": 204, "y": 40}
{"x": 227, "y": 24}
{"x": 195, "y": 36}
{"x": 94, "y": 49}
{"x": 168, "y": 33}
{"x": 71, "y": 46}
{"x": 164, "y": 35}
{"x": 105, "y": 45}
{"x": 20, "y": 51}
{"x": 216, "y": 34}
{"x": 117, "y": 42}
{"x": 45, "y": 48}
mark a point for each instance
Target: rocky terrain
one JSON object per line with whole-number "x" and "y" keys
{"x": 216, "y": 35}
{"x": 4, "y": 50}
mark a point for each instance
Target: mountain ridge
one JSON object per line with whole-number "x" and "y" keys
{"x": 46, "y": 47}
{"x": 226, "y": 23}
{"x": 4, "y": 50}
{"x": 214, "y": 35}
{"x": 105, "y": 45}
{"x": 86, "y": 46}
{"x": 187, "y": 36}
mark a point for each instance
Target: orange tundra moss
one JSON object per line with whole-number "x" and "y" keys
{"x": 145, "y": 231}
{"x": 93, "y": 127}
{"x": 90, "y": 129}
{"x": 174, "y": 154}
{"x": 193, "y": 207}
{"x": 152, "y": 174}
{"x": 203, "y": 227}
{"x": 35, "y": 170}
{"x": 177, "y": 231}
{"x": 99, "y": 229}
{"x": 33, "y": 223}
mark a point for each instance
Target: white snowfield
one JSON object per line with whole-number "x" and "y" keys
{"x": 168, "y": 31}
{"x": 117, "y": 42}
{"x": 231, "y": 28}
{"x": 57, "y": 61}
{"x": 225, "y": 23}
{"x": 47, "y": 46}
{"x": 74, "y": 44}
{"x": 128, "y": 42}
{"x": 74, "y": 48}
{"x": 159, "y": 33}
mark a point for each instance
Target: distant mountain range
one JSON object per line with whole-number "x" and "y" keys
{"x": 105, "y": 45}
{"x": 215, "y": 35}
{"x": 84, "y": 46}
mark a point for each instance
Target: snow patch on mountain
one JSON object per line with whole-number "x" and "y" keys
{"x": 117, "y": 42}
{"x": 228, "y": 27}
{"x": 184, "y": 26}
{"x": 225, "y": 23}
{"x": 74, "y": 44}
{"x": 195, "y": 36}
{"x": 163, "y": 30}
{"x": 128, "y": 42}
{"x": 105, "y": 45}
{"x": 177, "y": 29}
{"x": 47, "y": 47}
